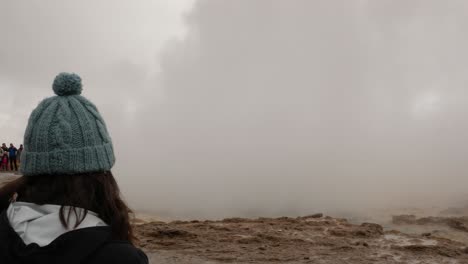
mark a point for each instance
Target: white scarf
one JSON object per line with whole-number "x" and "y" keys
{"x": 41, "y": 224}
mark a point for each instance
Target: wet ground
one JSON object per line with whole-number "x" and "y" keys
{"x": 310, "y": 239}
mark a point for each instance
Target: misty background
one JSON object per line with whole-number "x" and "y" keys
{"x": 257, "y": 107}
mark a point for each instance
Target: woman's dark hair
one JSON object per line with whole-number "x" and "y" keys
{"x": 96, "y": 192}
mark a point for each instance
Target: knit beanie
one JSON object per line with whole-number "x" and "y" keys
{"x": 66, "y": 134}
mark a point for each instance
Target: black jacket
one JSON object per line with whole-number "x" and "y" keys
{"x": 91, "y": 245}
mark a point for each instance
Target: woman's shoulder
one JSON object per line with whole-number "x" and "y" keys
{"x": 119, "y": 252}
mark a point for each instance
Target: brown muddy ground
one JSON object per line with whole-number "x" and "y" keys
{"x": 310, "y": 239}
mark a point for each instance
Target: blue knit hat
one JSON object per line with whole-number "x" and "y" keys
{"x": 66, "y": 134}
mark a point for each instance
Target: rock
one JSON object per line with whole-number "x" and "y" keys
{"x": 457, "y": 224}
{"x": 338, "y": 232}
{"x": 403, "y": 219}
{"x": 234, "y": 220}
{"x": 319, "y": 215}
{"x": 370, "y": 230}
{"x": 170, "y": 233}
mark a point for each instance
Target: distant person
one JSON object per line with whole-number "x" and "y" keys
{"x": 12, "y": 152}
{"x": 4, "y": 161}
{"x": 67, "y": 206}
{"x": 5, "y": 149}
{"x": 18, "y": 156}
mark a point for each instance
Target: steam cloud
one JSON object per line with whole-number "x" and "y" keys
{"x": 272, "y": 107}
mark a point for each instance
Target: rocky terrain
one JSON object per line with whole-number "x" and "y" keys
{"x": 404, "y": 238}
{"x": 310, "y": 239}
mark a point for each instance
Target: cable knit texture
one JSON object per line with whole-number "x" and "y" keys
{"x": 66, "y": 134}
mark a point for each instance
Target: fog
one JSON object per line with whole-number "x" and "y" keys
{"x": 258, "y": 107}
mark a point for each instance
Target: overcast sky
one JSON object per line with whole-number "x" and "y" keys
{"x": 113, "y": 45}
{"x": 249, "y": 107}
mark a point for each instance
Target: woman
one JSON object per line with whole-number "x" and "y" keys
{"x": 66, "y": 208}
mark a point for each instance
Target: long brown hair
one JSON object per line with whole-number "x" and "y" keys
{"x": 96, "y": 192}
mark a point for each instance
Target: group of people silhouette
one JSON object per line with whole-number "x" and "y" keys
{"x": 10, "y": 157}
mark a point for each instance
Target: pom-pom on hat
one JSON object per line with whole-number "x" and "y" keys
{"x": 66, "y": 134}
{"x": 67, "y": 84}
